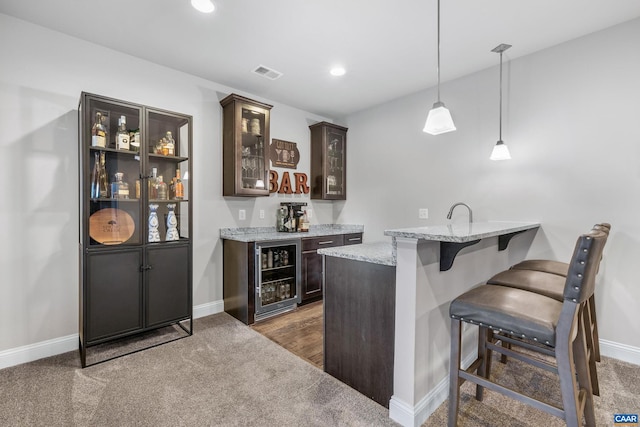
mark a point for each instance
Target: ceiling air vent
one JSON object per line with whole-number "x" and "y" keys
{"x": 267, "y": 72}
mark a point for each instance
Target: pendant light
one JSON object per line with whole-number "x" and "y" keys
{"x": 500, "y": 150}
{"x": 439, "y": 119}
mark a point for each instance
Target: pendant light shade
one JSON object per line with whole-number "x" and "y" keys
{"x": 439, "y": 119}
{"x": 500, "y": 150}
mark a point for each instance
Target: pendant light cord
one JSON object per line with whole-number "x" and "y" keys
{"x": 438, "y": 68}
{"x": 500, "y": 133}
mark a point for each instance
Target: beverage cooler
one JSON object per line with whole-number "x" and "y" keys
{"x": 278, "y": 272}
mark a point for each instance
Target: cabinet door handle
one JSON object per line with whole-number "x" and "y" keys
{"x": 354, "y": 239}
{"x": 146, "y": 267}
{"x": 326, "y": 242}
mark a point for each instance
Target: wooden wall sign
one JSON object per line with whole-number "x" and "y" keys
{"x": 285, "y": 186}
{"x": 284, "y": 154}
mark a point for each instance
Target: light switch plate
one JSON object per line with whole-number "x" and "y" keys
{"x": 423, "y": 213}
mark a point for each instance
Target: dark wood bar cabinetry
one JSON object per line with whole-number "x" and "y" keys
{"x": 328, "y": 161}
{"x": 245, "y": 147}
{"x": 135, "y": 223}
{"x": 359, "y": 325}
{"x": 312, "y": 271}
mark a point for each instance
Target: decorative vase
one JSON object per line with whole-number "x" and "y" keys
{"x": 172, "y": 224}
{"x": 154, "y": 234}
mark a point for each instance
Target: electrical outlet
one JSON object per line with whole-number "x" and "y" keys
{"x": 423, "y": 213}
{"x": 261, "y": 213}
{"x": 242, "y": 214}
{"x": 309, "y": 214}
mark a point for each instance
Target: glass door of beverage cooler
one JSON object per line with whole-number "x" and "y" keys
{"x": 278, "y": 270}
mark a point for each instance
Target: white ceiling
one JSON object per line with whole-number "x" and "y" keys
{"x": 387, "y": 47}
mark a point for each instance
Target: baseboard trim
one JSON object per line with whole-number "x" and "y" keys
{"x": 623, "y": 352}
{"x": 208, "y": 309}
{"x": 31, "y": 352}
{"x": 48, "y": 348}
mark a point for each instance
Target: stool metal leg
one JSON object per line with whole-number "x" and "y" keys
{"x": 454, "y": 367}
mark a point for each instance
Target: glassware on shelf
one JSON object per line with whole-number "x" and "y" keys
{"x": 154, "y": 234}
{"x": 102, "y": 177}
{"x": 169, "y": 148}
{"x": 99, "y": 132}
{"x": 95, "y": 178}
{"x": 178, "y": 187}
{"x": 122, "y": 136}
{"x": 172, "y": 224}
{"x": 162, "y": 189}
{"x": 119, "y": 188}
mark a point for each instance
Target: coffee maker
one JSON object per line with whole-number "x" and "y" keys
{"x": 288, "y": 217}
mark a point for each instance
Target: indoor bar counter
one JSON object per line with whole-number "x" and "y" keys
{"x": 431, "y": 267}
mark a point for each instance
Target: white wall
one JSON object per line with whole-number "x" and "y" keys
{"x": 42, "y": 75}
{"x": 570, "y": 119}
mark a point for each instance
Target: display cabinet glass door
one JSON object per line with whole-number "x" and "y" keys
{"x": 253, "y": 158}
{"x": 168, "y": 178}
{"x": 278, "y": 270}
{"x": 335, "y": 164}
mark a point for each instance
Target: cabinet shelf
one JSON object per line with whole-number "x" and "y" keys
{"x": 176, "y": 159}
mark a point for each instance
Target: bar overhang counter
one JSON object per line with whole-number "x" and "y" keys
{"x": 434, "y": 265}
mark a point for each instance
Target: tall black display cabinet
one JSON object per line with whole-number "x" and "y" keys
{"x": 135, "y": 222}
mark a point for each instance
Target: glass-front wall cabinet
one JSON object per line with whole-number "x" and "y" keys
{"x": 328, "y": 161}
{"x": 245, "y": 140}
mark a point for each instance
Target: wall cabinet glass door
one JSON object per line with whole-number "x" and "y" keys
{"x": 245, "y": 140}
{"x": 135, "y": 219}
{"x": 328, "y": 161}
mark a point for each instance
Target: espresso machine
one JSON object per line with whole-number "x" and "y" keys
{"x": 288, "y": 217}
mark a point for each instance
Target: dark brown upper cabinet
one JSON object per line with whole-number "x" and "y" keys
{"x": 245, "y": 144}
{"x": 328, "y": 161}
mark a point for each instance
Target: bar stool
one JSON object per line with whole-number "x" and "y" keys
{"x": 547, "y": 278}
{"x": 561, "y": 268}
{"x": 538, "y": 323}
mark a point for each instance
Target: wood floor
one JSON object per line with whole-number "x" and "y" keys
{"x": 299, "y": 331}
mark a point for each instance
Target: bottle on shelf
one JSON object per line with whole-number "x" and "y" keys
{"x": 178, "y": 186}
{"x": 270, "y": 259}
{"x": 153, "y": 184}
{"x": 163, "y": 191}
{"x": 134, "y": 140}
{"x": 95, "y": 178}
{"x": 122, "y": 136}
{"x": 103, "y": 183}
{"x": 119, "y": 188}
{"x": 99, "y": 132}
{"x": 170, "y": 145}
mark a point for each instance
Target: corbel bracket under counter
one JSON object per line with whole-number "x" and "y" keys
{"x": 455, "y": 237}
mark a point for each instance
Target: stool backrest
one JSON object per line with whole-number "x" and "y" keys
{"x": 583, "y": 267}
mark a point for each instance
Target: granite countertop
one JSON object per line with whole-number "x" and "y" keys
{"x": 462, "y": 232}
{"x": 375, "y": 253}
{"x": 263, "y": 234}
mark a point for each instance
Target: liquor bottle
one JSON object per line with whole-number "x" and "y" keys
{"x": 95, "y": 178}
{"x": 170, "y": 144}
{"x": 99, "y": 132}
{"x": 153, "y": 184}
{"x": 304, "y": 223}
{"x": 270, "y": 259}
{"x": 178, "y": 186}
{"x": 134, "y": 140}
{"x": 122, "y": 137}
{"x": 162, "y": 189}
{"x": 102, "y": 178}
{"x": 119, "y": 188}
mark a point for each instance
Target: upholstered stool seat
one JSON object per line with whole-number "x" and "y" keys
{"x": 546, "y": 265}
{"x": 549, "y": 285}
{"x": 543, "y": 325}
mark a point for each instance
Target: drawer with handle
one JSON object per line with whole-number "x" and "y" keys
{"x": 352, "y": 239}
{"x": 313, "y": 243}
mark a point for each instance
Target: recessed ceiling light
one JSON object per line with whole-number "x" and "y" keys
{"x": 204, "y": 6}
{"x": 338, "y": 71}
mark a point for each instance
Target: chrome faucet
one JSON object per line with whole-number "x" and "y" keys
{"x": 463, "y": 204}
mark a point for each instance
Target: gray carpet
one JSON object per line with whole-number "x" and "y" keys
{"x": 224, "y": 375}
